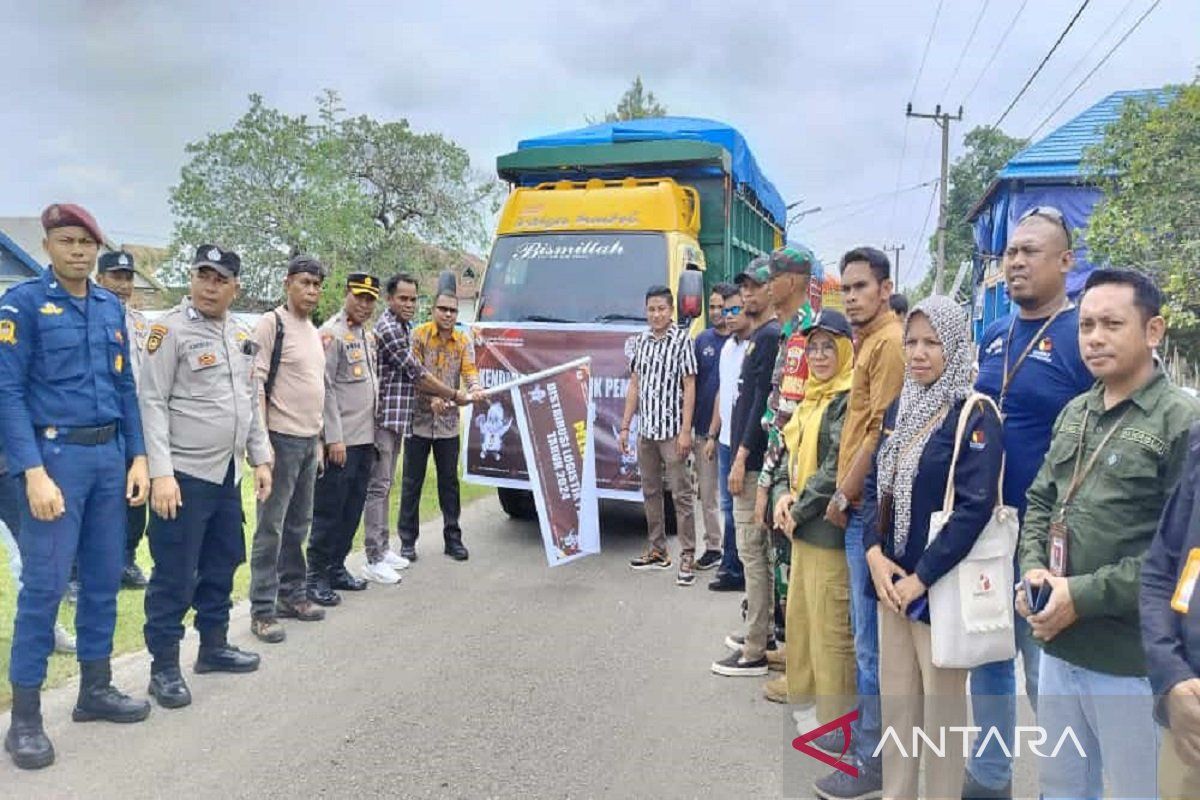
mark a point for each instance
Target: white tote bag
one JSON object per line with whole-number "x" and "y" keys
{"x": 971, "y": 607}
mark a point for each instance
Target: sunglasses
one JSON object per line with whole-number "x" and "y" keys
{"x": 1051, "y": 213}
{"x": 731, "y": 311}
{"x": 446, "y": 309}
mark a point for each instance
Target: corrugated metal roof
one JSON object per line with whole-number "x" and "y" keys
{"x": 1058, "y": 154}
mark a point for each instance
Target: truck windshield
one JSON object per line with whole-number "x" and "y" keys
{"x": 572, "y": 277}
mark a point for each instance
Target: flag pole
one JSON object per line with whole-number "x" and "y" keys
{"x": 537, "y": 376}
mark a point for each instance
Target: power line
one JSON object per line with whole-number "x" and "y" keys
{"x": 1094, "y": 69}
{"x": 928, "y": 41}
{"x": 1086, "y": 56}
{"x": 921, "y": 237}
{"x": 1046, "y": 58}
{"x": 866, "y": 203}
{"x": 963, "y": 53}
{"x": 995, "y": 52}
{"x": 899, "y": 177}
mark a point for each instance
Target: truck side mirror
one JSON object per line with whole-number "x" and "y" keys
{"x": 690, "y": 295}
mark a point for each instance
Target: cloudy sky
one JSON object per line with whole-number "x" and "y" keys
{"x": 101, "y": 96}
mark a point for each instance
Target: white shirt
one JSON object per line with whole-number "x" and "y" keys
{"x": 732, "y": 355}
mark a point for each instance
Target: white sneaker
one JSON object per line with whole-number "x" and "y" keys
{"x": 63, "y": 641}
{"x": 395, "y": 561}
{"x": 380, "y": 572}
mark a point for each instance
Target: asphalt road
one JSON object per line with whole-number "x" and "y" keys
{"x": 494, "y": 678}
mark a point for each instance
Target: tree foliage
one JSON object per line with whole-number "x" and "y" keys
{"x": 1148, "y": 166}
{"x": 358, "y": 193}
{"x": 636, "y": 103}
{"x": 986, "y": 151}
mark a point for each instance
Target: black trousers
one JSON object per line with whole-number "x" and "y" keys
{"x": 338, "y": 503}
{"x": 416, "y": 461}
{"x": 195, "y": 556}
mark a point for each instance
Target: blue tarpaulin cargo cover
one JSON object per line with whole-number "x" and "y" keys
{"x": 745, "y": 168}
{"x": 1046, "y": 173}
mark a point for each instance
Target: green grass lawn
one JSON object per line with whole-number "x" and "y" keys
{"x": 130, "y": 610}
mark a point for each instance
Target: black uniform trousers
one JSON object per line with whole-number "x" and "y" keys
{"x": 341, "y": 493}
{"x": 416, "y": 462}
{"x": 195, "y": 557}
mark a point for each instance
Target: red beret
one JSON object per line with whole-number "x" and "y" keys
{"x": 62, "y": 215}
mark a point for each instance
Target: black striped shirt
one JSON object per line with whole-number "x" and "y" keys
{"x": 661, "y": 364}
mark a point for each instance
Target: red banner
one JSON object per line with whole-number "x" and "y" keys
{"x": 493, "y": 453}
{"x": 553, "y": 417}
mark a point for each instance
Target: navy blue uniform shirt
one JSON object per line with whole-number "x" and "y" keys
{"x": 708, "y": 377}
{"x": 62, "y": 367}
{"x": 1171, "y": 638}
{"x": 1050, "y": 377}
{"x": 976, "y": 480}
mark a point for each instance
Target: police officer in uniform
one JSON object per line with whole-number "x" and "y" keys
{"x": 70, "y": 425}
{"x": 351, "y": 385}
{"x": 114, "y": 271}
{"x": 201, "y": 417}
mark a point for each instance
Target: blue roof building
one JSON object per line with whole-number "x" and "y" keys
{"x": 1046, "y": 173}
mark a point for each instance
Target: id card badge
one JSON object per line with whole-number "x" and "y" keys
{"x": 1058, "y": 548}
{"x": 1182, "y": 598}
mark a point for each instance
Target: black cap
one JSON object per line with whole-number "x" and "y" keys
{"x": 364, "y": 284}
{"x": 114, "y": 260}
{"x": 831, "y": 321}
{"x": 757, "y": 272}
{"x": 308, "y": 264}
{"x": 225, "y": 262}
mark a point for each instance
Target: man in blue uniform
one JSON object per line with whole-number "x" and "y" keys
{"x": 1029, "y": 363}
{"x": 70, "y": 418}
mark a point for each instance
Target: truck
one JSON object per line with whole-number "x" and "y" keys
{"x": 594, "y": 217}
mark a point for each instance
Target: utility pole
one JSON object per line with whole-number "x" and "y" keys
{"x": 942, "y": 120}
{"x": 895, "y": 249}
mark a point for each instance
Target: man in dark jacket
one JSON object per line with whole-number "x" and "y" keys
{"x": 1171, "y": 632}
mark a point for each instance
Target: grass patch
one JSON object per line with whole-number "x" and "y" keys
{"x": 130, "y": 609}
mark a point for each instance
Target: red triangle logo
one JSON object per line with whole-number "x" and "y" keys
{"x": 801, "y": 743}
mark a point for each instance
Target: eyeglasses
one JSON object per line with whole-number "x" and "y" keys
{"x": 731, "y": 311}
{"x": 1051, "y": 213}
{"x": 446, "y": 309}
{"x": 821, "y": 348}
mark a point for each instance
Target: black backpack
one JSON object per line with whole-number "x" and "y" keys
{"x": 276, "y": 354}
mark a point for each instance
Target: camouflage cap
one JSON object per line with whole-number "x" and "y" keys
{"x": 757, "y": 272}
{"x": 795, "y": 259}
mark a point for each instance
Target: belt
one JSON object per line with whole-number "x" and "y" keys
{"x": 90, "y": 437}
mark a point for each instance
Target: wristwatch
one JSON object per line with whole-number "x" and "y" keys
{"x": 841, "y": 501}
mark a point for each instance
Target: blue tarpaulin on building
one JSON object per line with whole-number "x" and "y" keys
{"x": 1046, "y": 173}
{"x": 745, "y": 168}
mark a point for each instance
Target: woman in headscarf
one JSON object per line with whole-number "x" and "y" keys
{"x": 820, "y": 647}
{"x": 906, "y": 486}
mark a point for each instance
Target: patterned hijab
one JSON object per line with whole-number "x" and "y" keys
{"x": 919, "y": 405}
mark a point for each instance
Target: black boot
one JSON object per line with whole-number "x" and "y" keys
{"x": 218, "y": 655}
{"x": 457, "y": 550}
{"x": 99, "y": 699}
{"x": 26, "y": 740}
{"x": 132, "y": 576}
{"x": 167, "y": 685}
{"x": 319, "y": 591}
{"x": 340, "y": 579}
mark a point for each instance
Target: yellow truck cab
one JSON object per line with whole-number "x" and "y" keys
{"x": 594, "y": 218}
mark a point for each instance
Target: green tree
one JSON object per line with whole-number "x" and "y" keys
{"x": 986, "y": 151}
{"x": 636, "y": 103}
{"x": 1148, "y": 166}
{"x": 358, "y": 193}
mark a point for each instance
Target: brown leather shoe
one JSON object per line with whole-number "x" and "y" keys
{"x": 305, "y": 611}
{"x": 776, "y": 661}
{"x": 775, "y": 690}
{"x": 267, "y": 629}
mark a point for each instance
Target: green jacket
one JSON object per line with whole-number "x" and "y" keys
{"x": 809, "y": 509}
{"x": 1112, "y": 518}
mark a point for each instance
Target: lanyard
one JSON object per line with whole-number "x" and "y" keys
{"x": 1009, "y": 373}
{"x": 1077, "y": 476}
